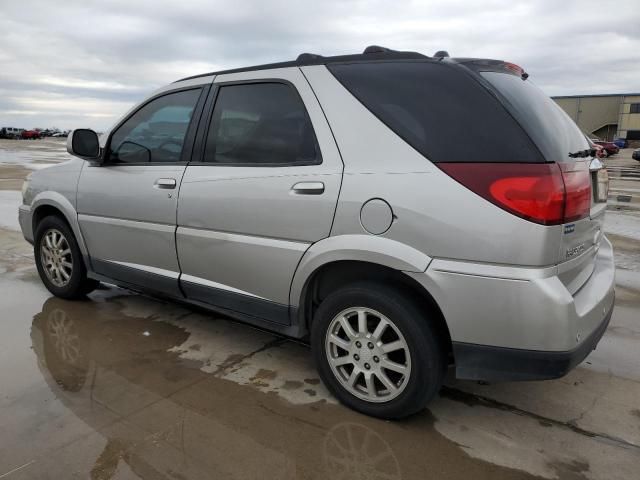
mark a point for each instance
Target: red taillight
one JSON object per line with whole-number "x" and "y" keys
{"x": 577, "y": 184}
{"x": 543, "y": 193}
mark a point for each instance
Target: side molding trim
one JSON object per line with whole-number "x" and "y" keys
{"x": 208, "y": 283}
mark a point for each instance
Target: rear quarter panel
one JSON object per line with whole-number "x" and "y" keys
{"x": 432, "y": 212}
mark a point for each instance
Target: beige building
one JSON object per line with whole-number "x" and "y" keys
{"x": 605, "y": 116}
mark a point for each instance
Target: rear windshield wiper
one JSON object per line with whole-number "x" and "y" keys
{"x": 589, "y": 152}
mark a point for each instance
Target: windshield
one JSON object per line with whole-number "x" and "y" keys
{"x": 553, "y": 131}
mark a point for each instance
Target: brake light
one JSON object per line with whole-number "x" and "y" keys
{"x": 517, "y": 69}
{"x": 577, "y": 184}
{"x": 543, "y": 193}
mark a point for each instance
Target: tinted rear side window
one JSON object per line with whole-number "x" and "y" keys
{"x": 441, "y": 111}
{"x": 261, "y": 124}
{"x": 548, "y": 125}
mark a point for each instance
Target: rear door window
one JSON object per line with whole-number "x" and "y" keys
{"x": 260, "y": 124}
{"x": 440, "y": 110}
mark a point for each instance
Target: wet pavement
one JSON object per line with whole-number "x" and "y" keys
{"x": 18, "y": 158}
{"x": 125, "y": 386}
{"x": 624, "y": 172}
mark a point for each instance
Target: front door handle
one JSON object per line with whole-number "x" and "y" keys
{"x": 168, "y": 183}
{"x": 308, "y": 188}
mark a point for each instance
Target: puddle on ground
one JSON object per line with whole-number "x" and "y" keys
{"x": 118, "y": 397}
{"x": 124, "y": 386}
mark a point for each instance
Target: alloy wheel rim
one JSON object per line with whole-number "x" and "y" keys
{"x": 355, "y": 451}
{"x": 56, "y": 258}
{"x": 65, "y": 337}
{"x": 368, "y": 354}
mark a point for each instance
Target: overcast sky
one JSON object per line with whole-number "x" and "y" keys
{"x": 82, "y": 64}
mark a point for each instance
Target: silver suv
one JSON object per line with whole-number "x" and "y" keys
{"x": 404, "y": 213}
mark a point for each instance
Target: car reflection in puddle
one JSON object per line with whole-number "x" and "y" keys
{"x": 164, "y": 417}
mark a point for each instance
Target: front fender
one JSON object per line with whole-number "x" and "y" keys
{"x": 364, "y": 248}
{"x": 61, "y": 203}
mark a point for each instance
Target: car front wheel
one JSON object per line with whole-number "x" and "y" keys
{"x": 377, "y": 351}
{"x": 59, "y": 260}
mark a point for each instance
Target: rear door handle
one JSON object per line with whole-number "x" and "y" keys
{"x": 168, "y": 183}
{"x": 308, "y": 188}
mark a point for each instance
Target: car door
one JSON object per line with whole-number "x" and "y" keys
{"x": 127, "y": 205}
{"x": 264, "y": 189}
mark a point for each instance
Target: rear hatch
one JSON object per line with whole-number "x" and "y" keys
{"x": 560, "y": 140}
{"x": 485, "y": 124}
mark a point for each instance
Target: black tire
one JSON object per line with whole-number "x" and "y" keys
{"x": 78, "y": 285}
{"x": 427, "y": 353}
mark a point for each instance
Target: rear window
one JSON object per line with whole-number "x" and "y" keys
{"x": 440, "y": 110}
{"x": 547, "y": 124}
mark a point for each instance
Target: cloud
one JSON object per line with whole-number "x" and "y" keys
{"x": 86, "y": 63}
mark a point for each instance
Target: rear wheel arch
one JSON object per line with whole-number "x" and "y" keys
{"x": 334, "y": 275}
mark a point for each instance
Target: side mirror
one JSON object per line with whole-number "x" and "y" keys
{"x": 84, "y": 143}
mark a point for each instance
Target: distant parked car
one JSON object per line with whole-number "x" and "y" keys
{"x": 621, "y": 142}
{"x": 610, "y": 147}
{"x": 636, "y": 154}
{"x": 30, "y": 134}
{"x": 60, "y": 135}
{"x": 10, "y": 132}
{"x": 600, "y": 151}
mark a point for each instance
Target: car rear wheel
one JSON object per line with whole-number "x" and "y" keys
{"x": 377, "y": 351}
{"x": 59, "y": 260}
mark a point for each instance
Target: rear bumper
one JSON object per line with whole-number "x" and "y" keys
{"x": 484, "y": 362}
{"x": 520, "y": 323}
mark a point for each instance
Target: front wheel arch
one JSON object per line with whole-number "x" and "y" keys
{"x": 50, "y": 202}
{"x": 52, "y": 258}
{"x": 43, "y": 211}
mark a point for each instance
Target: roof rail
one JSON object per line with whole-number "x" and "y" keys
{"x": 372, "y": 52}
{"x": 308, "y": 57}
{"x": 377, "y": 49}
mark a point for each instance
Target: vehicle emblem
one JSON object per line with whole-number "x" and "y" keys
{"x": 575, "y": 251}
